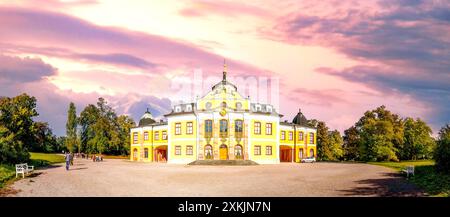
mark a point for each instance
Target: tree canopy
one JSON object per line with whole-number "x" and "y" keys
{"x": 102, "y": 131}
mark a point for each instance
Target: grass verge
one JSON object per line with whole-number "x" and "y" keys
{"x": 425, "y": 176}
{"x": 45, "y": 159}
{"x": 8, "y": 172}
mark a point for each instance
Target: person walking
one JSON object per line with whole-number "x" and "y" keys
{"x": 67, "y": 158}
{"x": 71, "y": 159}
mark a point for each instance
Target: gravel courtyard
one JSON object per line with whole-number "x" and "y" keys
{"x": 124, "y": 178}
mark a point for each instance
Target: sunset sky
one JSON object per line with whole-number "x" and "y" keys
{"x": 334, "y": 59}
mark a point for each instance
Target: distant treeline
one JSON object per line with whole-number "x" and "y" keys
{"x": 380, "y": 135}
{"x": 98, "y": 130}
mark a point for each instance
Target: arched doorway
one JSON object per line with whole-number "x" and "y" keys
{"x": 300, "y": 153}
{"x": 238, "y": 152}
{"x": 135, "y": 154}
{"x": 311, "y": 152}
{"x": 223, "y": 151}
{"x": 285, "y": 153}
{"x": 146, "y": 153}
{"x": 160, "y": 154}
{"x": 208, "y": 152}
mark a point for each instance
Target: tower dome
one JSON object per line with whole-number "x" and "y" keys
{"x": 146, "y": 119}
{"x": 300, "y": 119}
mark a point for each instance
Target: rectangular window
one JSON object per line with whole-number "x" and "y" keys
{"x": 146, "y": 136}
{"x": 291, "y": 136}
{"x": 257, "y": 128}
{"x": 135, "y": 137}
{"x": 283, "y": 135}
{"x": 156, "y": 135}
{"x": 269, "y": 129}
{"x": 311, "y": 138}
{"x": 238, "y": 126}
{"x": 164, "y": 135}
{"x": 223, "y": 126}
{"x": 257, "y": 150}
{"x": 300, "y": 136}
{"x": 189, "y": 150}
{"x": 268, "y": 150}
{"x": 208, "y": 126}
{"x": 177, "y": 150}
{"x": 189, "y": 128}
{"x": 177, "y": 128}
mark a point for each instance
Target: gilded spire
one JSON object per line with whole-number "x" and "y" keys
{"x": 224, "y": 70}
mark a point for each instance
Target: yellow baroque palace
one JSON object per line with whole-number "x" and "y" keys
{"x": 222, "y": 125}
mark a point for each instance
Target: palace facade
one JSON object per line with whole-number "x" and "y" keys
{"x": 222, "y": 125}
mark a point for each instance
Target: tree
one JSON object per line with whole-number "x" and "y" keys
{"x": 351, "y": 144}
{"x": 45, "y": 140}
{"x": 418, "y": 143}
{"x": 125, "y": 123}
{"x": 102, "y": 131}
{"x": 323, "y": 149}
{"x": 88, "y": 118}
{"x": 329, "y": 143}
{"x": 336, "y": 143}
{"x": 71, "y": 128}
{"x": 442, "y": 154}
{"x": 17, "y": 131}
{"x": 381, "y": 135}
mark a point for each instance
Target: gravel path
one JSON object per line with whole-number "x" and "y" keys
{"x": 124, "y": 178}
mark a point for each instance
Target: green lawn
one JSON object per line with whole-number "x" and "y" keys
{"x": 8, "y": 172}
{"x": 425, "y": 176}
{"x": 44, "y": 159}
{"x": 402, "y": 165}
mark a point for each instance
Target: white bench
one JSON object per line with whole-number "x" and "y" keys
{"x": 409, "y": 171}
{"x": 23, "y": 169}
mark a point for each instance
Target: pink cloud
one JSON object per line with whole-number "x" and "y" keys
{"x": 62, "y": 33}
{"x": 221, "y": 8}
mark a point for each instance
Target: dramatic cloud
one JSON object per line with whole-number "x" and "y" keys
{"x": 402, "y": 46}
{"x": 64, "y": 33}
{"x": 17, "y": 70}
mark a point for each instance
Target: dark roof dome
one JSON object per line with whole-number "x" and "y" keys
{"x": 300, "y": 119}
{"x": 146, "y": 119}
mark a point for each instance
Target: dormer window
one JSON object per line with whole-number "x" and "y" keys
{"x": 188, "y": 108}
{"x": 258, "y": 108}
{"x": 208, "y": 105}
{"x": 238, "y": 106}
{"x": 177, "y": 109}
{"x": 269, "y": 108}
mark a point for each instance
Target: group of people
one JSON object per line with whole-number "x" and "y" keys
{"x": 68, "y": 156}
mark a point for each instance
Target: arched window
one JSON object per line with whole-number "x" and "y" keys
{"x": 311, "y": 153}
{"x": 146, "y": 153}
{"x": 238, "y": 152}
{"x": 208, "y": 152}
{"x": 224, "y": 104}
{"x": 135, "y": 154}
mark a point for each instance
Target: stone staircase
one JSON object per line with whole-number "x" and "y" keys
{"x": 224, "y": 162}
